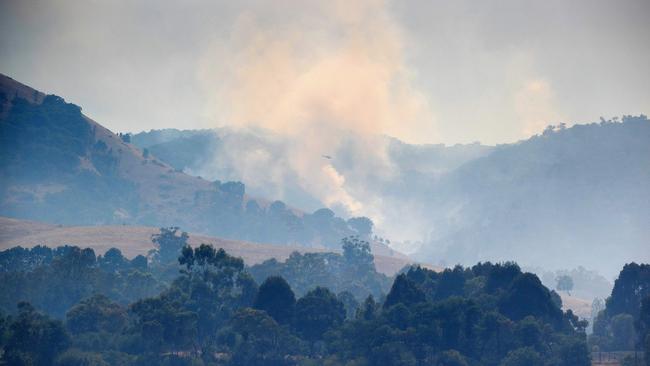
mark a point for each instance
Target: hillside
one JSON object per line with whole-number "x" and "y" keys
{"x": 134, "y": 240}
{"x": 59, "y": 166}
{"x": 225, "y": 153}
{"x": 569, "y": 197}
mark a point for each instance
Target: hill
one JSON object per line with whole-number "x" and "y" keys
{"x": 570, "y": 197}
{"x": 134, "y": 240}
{"x": 224, "y": 153}
{"x": 59, "y": 166}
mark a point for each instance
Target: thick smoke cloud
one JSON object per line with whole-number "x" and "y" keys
{"x": 137, "y": 65}
{"x": 342, "y": 76}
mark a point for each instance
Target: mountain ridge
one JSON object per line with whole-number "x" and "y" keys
{"x": 543, "y": 201}
{"x": 62, "y": 167}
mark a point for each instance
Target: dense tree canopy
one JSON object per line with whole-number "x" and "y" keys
{"x": 276, "y": 298}
{"x": 213, "y": 313}
{"x": 624, "y": 323}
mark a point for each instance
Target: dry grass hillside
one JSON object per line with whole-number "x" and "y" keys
{"x": 580, "y": 307}
{"x": 59, "y": 166}
{"x": 134, "y": 240}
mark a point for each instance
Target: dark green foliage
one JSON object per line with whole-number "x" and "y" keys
{"x": 168, "y": 244}
{"x": 163, "y": 324}
{"x": 564, "y": 283}
{"x": 451, "y": 358}
{"x": 469, "y": 328}
{"x": 368, "y": 310}
{"x": 96, "y": 314}
{"x": 75, "y": 357}
{"x": 631, "y": 286}
{"x": 451, "y": 282}
{"x": 33, "y": 338}
{"x": 354, "y": 271}
{"x": 486, "y": 315}
{"x": 59, "y": 166}
{"x": 646, "y": 349}
{"x": 350, "y": 303}
{"x": 392, "y": 354}
{"x": 197, "y": 304}
{"x": 623, "y": 334}
{"x": 53, "y": 280}
{"x": 276, "y": 298}
{"x": 317, "y": 312}
{"x": 404, "y": 291}
{"x": 19, "y": 258}
{"x": 43, "y": 145}
{"x": 139, "y": 263}
{"x": 623, "y": 325}
{"x": 573, "y": 352}
{"x": 523, "y": 357}
{"x": 113, "y": 260}
{"x": 41, "y": 141}
{"x": 357, "y": 255}
{"x": 643, "y": 328}
{"x": 527, "y": 296}
{"x": 256, "y": 339}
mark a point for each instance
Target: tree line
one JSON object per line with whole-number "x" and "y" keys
{"x": 203, "y": 306}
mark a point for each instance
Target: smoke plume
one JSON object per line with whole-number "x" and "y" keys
{"x": 334, "y": 73}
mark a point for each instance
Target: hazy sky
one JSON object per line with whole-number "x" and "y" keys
{"x": 424, "y": 71}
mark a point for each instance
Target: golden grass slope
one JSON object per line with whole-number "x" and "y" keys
{"x": 134, "y": 240}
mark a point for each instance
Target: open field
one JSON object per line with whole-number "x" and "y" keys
{"x": 580, "y": 307}
{"x": 134, "y": 240}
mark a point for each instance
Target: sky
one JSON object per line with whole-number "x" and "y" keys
{"x": 423, "y": 71}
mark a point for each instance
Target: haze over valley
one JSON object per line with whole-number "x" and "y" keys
{"x": 324, "y": 183}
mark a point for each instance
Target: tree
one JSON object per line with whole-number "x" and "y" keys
{"x": 529, "y": 332}
{"x": 112, "y": 260}
{"x": 450, "y": 283}
{"x": 316, "y": 312}
{"x": 163, "y": 324}
{"x": 646, "y": 347}
{"x": 276, "y": 298}
{"x": 139, "y": 262}
{"x": 254, "y": 338}
{"x": 451, "y": 358}
{"x": 527, "y": 296}
{"x": 623, "y": 334}
{"x": 75, "y": 357}
{"x": 564, "y": 283}
{"x": 368, "y": 310}
{"x": 403, "y": 291}
{"x": 34, "y": 339}
{"x": 168, "y": 244}
{"x": 362, "y": 225}
{"x": 572, "y": 351}
{"x": 631, "y": 286}
{"x": 96, "y": 314}
{"x": 212, "y": 286}
{"x": 357, "y": 254}
{"x": 349, "y": 302}
{"x": 523, "y": 357}
{"x": 393, "y": 354}
{"x": 643, "y": 328}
